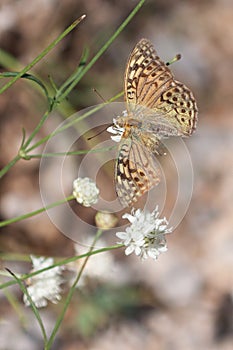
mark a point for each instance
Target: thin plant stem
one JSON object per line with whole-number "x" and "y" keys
{"x": 62, "y": 95}
{"x": 71, "y": 292}
{"x": 37, "y": 128}
{"x": 42, "y": 54}
{"x": 73, "y": 122}
{"x": 59, "y": 263}
{"x": 34, "y": 308}
{"x": 74, "y": 153}
{"x": 6, "y": 168}
{"x": 33, "y": 213}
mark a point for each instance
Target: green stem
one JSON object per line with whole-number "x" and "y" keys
{"x": 66, "y": 126}
{"x": 59, "y": 130}
{"x": 6, "y": 168}
{"x": 38, "y": 211}
{"x": 70, "y": 294}
{"x": 74, "y": 153}
{"x": 99, "y": 53}
{"x": 61, "y": 262}
{"x": 31, "y": 78}
{"x": 34, "y": 308}
{"x": 81, "y": 66}
{"x": 42, "y": 54}
{"x": 37, "y": 128}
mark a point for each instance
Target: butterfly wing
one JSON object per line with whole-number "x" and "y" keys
{"x": 135, "y": 171}
{"x": 150, "y": 83}
{"x": 159, "y": 106}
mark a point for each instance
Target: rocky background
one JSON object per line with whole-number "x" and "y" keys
{"x": 185, "y": 299}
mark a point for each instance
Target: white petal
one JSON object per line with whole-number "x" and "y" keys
{"x": 122, "y": 235}
{"x": 129, "y": 250}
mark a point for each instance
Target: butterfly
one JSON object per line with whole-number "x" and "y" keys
{"x": 158, "y": 106}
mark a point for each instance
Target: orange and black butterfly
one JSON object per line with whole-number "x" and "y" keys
{"x": 158, "y": 106}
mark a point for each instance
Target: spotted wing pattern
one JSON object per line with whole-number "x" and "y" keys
{"x": 135, "y": 172}
{"x": 158, "y": 106}
{"x": 150, "y": 83}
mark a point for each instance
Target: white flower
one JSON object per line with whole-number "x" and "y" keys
{"x": 116, "y": 130}
{"x": 146, "y": 234}
{"x": 46, "y": 285}
{"x": 85, "y": 191}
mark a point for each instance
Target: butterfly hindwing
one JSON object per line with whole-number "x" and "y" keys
{"x": 135, "y": 171}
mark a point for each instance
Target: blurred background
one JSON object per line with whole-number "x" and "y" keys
{"x": 185, "y": 299}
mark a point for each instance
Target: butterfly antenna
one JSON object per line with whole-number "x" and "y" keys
{"x": 175, "y": 59}
{"x": 101, "y": 97}
{"x": 98, "y": 94}
{"x": 92, "y": 137}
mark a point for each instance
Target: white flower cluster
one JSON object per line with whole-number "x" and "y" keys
{"x": 146, "y": 234}
{"x": 46, "y": 285}
{"x": 85, "y": 191}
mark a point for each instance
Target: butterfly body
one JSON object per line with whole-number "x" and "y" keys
{"x": 158, "y": 106}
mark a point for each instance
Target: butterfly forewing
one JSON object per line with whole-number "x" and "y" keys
{"x": 144, "y": 75}
{"x": 149, "y": 82}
